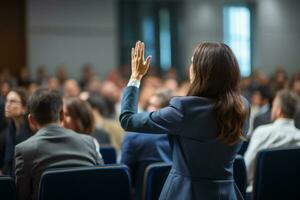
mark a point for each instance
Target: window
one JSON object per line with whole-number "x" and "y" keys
{"x": 148, "y": 37}
{"x": 237, "y": 35}
{"x": 157, "y": 23}
{"x": 165, "y": 39}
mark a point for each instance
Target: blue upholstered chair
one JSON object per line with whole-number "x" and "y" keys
{"x": 277, "y": 174}
{"x": 88, "y": 183}
{"x": 109, "y": 154}
{"x": 154, "y": 179}
{"x": 240, "y": 174}
{"x": 7, "y": 188}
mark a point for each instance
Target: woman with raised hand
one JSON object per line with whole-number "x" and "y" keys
{"x": 207, "y": 126}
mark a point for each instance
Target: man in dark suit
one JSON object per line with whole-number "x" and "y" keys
{"x": 51, "y": 147}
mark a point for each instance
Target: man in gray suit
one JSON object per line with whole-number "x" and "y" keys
{"x": 51, "y": 147}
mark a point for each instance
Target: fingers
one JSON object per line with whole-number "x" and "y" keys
{"x": 148, "y": 60}
{"x": 132, "y": 53}
{"x": 140, "y": 50}
{"x": 136, "y": 49}
{"x": 143, "y": 50}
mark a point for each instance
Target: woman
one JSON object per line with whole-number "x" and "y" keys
{"x": 18, "y": 127}
{"x": 78, "y": 116}
{"x": 207, "y": 126}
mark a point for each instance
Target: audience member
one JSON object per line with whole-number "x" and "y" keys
{"x": 24, "y": 78}
{"x": 110, "y": 126}
{"x": 281, "y": 133}
{"x": 279, "y": 81}
{"x": 79, "y": 117}
{"x": 264, "y": 114}
{"x": 111, "y": 94}
{"x": 54, "y": 84}
{"x": 140, "y": 150}
{"x": 98, "y": 108}
{"x": 87, "y": 73}
{"x": 61, "y": 74}
{"x": 259, "y": 104}
{"x": 18, "y": 128}
{"x": 41, "y": 75}
{"x": 51, "y": 147}
{"x": 71, "y": 88}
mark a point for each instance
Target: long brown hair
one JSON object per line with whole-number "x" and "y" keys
{"x": 217, "y": 76}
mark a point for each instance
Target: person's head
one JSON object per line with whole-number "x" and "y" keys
{"x": 296, "y": 86}
{"x": 280, "y": 75}
{"x": 215, "y": 74}
{"x": 5, "y": 87}
{"x": 98, "y": 104}
{"x": 53, "y": 83}
{"x": 16, "y": 102}
{"x": 285, "y": 105}
{"x": 261, "y": 96}
{"x": 214, "y": 71}
{"x": 71, "y": 88}
{"x": 78, "y": 116}
{"x": 159, "y": 100}
{"x": 45, "y": 107}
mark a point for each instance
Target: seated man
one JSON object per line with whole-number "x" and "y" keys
{"x": 140, "y": 150}
{"x": 51, "y": 147}
{"x": 281, "y": 133}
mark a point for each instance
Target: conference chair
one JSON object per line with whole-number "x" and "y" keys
{"x": 109, "y": 154}
{"x": 154, "y": 179}
{"x": 7, "y": 188}
{"x": 89, "y": 183}
{"x": 277, "y": 174}
{"x": 240, "y": 174}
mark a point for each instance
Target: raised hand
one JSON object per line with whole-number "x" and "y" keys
{"x": 139, "y": 67}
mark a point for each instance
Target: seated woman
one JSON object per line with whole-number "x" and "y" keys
{"x": 78, "y": 116}
{"x": 140, "y": 150}
{"x": 18, "y": 128}
{"x": 207, "y": 126}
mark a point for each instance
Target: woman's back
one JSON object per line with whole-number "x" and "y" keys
{"x": 206, "y": 127}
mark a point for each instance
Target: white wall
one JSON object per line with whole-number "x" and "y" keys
{"x": 72, "y": 32}
{"x": 277, "y": 35}
{"x": 276, "y": 30}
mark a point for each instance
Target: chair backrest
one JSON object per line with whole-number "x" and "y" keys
{"x": 240, "y": 174}
{"x": 7, "y": 188}
{"x": 154, "y": 180}
{"x": 109, "y": 154}
{"x": 101, "y": 182}
{"x": 277, "y": 174}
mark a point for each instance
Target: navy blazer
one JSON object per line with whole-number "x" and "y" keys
{"x": 202, "y": 164}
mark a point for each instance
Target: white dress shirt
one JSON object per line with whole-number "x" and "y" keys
{"x": 281, "y": 133}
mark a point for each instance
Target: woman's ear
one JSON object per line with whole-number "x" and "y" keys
{"x": 32, "y": 123}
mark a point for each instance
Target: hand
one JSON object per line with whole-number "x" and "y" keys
{"x": 139, "y": 67}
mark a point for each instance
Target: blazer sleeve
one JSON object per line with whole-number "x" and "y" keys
{"x": 23, "y": 181}
{"x": 167, "y": 120}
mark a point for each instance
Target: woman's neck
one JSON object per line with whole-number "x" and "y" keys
{"x": 18, "y": 121}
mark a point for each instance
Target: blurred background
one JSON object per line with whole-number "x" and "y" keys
{"x": 47, "y": 35}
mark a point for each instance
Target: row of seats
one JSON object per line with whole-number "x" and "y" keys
{"x": 277, "y": 177}
{"x": 104, "y": 182}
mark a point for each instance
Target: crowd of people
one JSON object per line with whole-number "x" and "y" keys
{"x": 91, "y": 106}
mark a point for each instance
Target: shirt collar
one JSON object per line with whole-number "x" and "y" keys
{"x": 282, "y": 121}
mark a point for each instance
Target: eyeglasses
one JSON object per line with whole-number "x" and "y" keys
{"x": 12, "y": 102}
